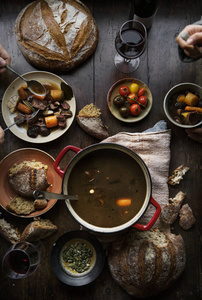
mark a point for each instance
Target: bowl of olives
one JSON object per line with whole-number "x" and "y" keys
{"x": 183, "y": 105}
{"x": 129, "y": 100}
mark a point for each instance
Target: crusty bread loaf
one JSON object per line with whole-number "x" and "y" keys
{"x": 8, "y": 231}
{"x": 177, "y": 175}
{"x": 146, "y": 263}
{"x": 27, "y": 177}
{"x": 56, "y": 35}
{"x": 38, "y": 229}
{"x": 21, "y": 206}
{"x": 187, "y": 219}
{"x": 89, "y": 119}
{"x": 170, "y": 211}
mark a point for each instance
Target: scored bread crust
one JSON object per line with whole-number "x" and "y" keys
{"x": 56, "y": 35}
{"x": 146, "y": 263}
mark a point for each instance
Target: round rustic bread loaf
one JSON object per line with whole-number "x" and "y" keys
{"x": 56, "y": 35}
{"x": 28, "y": 176}
{"x": 146, "y": 263}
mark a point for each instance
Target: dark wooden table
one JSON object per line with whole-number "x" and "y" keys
{"x": 160, "y": 69}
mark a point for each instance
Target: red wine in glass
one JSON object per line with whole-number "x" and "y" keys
{"x": 18, "y": 261}
{"x": 21, "y": 260}
{"x": 130, "y": 43}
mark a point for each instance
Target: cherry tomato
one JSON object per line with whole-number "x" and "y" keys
{"x": 119, "y": 101}
{"x": 141, "y": 92}
{"x": 124, "y": 91}
{"x": 124, "y": 111}
{"x": 135, "y": 109}
{"x": 131, "y": 98}
{"x": 143, "y": 100}
{"x": 134, "y": 87}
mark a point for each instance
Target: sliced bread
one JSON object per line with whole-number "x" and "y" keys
{"x": 21, "y": 206}
{"x": 89, "y": 119}
{"x": 9, "y": 232}
{"x": 38, "y": 230}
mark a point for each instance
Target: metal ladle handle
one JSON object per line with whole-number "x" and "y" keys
{"x": 10, "y": 69}
{"x": 48, "y": 195}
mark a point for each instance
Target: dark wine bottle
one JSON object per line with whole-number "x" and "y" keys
{"x": 144, "y": 11}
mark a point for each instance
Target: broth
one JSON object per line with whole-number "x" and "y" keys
{"x": 100, "y": 179}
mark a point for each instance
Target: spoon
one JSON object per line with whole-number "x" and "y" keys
{"x": 28, "y": 118}
{"x": 33, "y": 86}
{"x": 47, "y": 195}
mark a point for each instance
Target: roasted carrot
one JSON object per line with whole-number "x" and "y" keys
{"x": 24, "y": 108}
{"x": 22, "y": 93}
{"x": 123, "y": 202}
{"x": 194, "y": 108}
{"x": 39, "y": 97}
{"x": 51, "y": 121}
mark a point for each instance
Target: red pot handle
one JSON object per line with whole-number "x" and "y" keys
{"x": 61, "y": 155}
{"x": 153, "y": 219}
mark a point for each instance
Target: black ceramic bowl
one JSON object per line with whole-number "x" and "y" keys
{"x": 68, "y": 275}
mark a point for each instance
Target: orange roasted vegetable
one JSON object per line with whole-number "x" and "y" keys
{"x": 24, "y": 108}
{"x": 51, "y": 121}
{"x": 123, "y": 202}
{"x": 22, "y": 93}
{"x": 57, "y": 95}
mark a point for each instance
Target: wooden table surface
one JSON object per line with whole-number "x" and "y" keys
{"x": 160, "y": 69}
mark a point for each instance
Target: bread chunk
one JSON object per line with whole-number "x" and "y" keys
{"x": 89, "y": 119}
{"x": 27, "y": 177}
{"x": 21, "y": 206}
{"x": 56, "y": 35}
{"x": 177, "y": 175}
{"x": 8, "y": 231}
{"x": 187, "y": 219}
{"x": 38, "y": 229}
{"x": 147, "y": 262}
{"x": 170, "y": 211}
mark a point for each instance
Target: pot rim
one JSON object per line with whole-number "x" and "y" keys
{"x": 126, "y": 150}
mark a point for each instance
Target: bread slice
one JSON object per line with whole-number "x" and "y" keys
{"x": 21, "y": 206}
{"x": 38, "y": 229}
{"x": 8, "y": 231}
{"x": 187, "y": 219}
{"x": 27, "y": 177}
{"x": 169, "y": 212}
{"x": 89, "y": 119}
{"x": 177, "y": 175}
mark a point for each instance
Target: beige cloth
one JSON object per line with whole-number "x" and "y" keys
{"x": 154, "y": 149}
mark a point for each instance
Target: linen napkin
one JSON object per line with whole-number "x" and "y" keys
{"x": 153, "y": 146}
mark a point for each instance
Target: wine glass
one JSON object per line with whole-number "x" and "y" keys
{"x": 130, "y": 43}
{"x": 21, "y": 260}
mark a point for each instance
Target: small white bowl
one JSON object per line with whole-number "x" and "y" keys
{"x": 182, "y": 87}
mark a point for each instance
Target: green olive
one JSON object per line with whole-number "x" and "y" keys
{"x": 119, "y": 101}
{"x": 124, "y": 111}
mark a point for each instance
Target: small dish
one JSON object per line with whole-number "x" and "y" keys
{"x": 177, "y": 89}
{"x": 21, "y": 132}
{"x": 18, "y": 156}
{"x": 73, "y": 278}
{"x": 114, "y": 91}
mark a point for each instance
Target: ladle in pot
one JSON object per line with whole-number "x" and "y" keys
{"x": 48, "y": 195}
{"x": 33, "y": 86}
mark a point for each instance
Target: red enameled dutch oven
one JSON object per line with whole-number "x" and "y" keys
{"x": 81, "y": 153}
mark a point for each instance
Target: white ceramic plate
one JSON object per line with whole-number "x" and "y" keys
{"x": 114, "y": 91}
{"x": 21, "y": 132}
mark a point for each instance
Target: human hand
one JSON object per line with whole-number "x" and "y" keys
{"x": 4, "y": 58}
{"x": 195, "y": 33}
{"x": 195, "y": 134}
{"x": 1, "y": 135}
